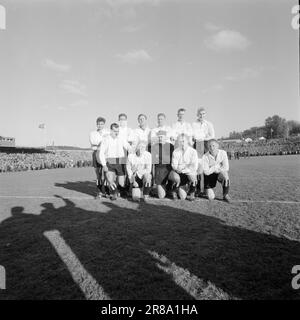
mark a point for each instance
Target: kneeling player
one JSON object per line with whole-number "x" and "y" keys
{"x": 161, "y": 158}
{"x": 184, "y": 173}
{"x": 216, "y": 167}
{"x": 139, "y": 171}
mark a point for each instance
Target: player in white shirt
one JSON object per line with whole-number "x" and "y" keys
{"x": 112, "y": 156}
{"x": 142, "y": 133}
{"x": 124, "y": 131}
{"x": 161, "y": 126}
{"x": 184, "y": 173}
{"x": 216, "y": 167}
{"x": 181, "y": 126}
{"x": 96, "y": 138}
{"x": 203, "y": 131}
{"x": 139, "y": 165}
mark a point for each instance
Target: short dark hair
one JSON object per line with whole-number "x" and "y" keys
{"x": 122, "y": 115}
{"x": 114, "y": 125}
{"x": 161, "y": 114}
{"x": 200, "y": 109}
{"x": 142, "y": 115}
{"x": 100, "y": 119}
{"x": 181, "y": 109}
{"x": 212, "y": 140}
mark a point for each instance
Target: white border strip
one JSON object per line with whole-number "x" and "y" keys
{"x": 197, "y": 288}
{"x": 88, "y": 285}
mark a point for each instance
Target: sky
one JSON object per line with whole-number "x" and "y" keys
{"x": 64, "y": 63}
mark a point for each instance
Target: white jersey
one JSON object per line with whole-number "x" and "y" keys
{"x": 139, "y": 165}
{"x": 203, "y": 131}
{"x": 96, "y": 138}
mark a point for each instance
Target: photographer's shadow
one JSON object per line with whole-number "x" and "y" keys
{"x": 113, "y": 245}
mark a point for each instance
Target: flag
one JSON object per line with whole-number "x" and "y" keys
{"x": 42, "y": 126}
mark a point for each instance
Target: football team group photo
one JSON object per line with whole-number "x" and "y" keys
{"x": 149, "y": 155}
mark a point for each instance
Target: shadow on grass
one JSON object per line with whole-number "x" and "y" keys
{"x": 113, "y": 246}
{"x": 86, "y": 187}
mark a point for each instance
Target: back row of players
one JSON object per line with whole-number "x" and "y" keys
{"x": 178, "y": 161}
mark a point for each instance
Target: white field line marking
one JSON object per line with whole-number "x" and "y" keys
{"x": 88, "y": 285}
{"x": 150, "y": 199}
{"x": 197, "y": 288}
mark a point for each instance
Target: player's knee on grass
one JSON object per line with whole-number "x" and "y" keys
{"x": 110, "y": 178}
{"x": 121, "y": 181}
{"x": 174, "y": 177}
{"x": 223, "y": 178}
{"x": 182, "y": 193}
{"x": 147, "y": 178}
{"x": 210, "y": 194}
{"x": 161, "y": 192}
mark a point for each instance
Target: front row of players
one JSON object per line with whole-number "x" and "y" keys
{"x": 122, "y": 168}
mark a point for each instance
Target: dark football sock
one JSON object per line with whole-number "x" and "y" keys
{"x": 225, "y": 190}
{"x": 192, "y": 188}
{"x": 146, "y": 191}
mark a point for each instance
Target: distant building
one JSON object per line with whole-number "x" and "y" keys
{"x": 7, "y": 142}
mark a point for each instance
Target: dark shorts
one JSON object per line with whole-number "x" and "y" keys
{"x": 96, "y": 164}
{"x": 162, "y": 172}
{"x": 184, "y": 179}
{"x": 118, "y": 169}
{"x": 139, "y": 181}
{"x": 210, "y": 181}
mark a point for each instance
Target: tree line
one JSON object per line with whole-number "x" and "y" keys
{"x": 275, "y": 127}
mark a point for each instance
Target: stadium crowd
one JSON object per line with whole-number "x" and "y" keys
{"x": 287, "y": 146}
{"x": 11, "y": 162}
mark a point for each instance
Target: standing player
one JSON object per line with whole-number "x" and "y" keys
{"x": 96, "y": 138}
{"x": 112, "y": 157}
{"x": 139, "y": 165}
{"x": 184, "y": 173}
{"x": 182, "y": 127}
{"x": 161, "y": 158}
{"x": 161, "y": 126}
{"x": 142, "y": 133}
{"x": 125, "y": 132}
{"x": 203, "y": 131}
{"x": 216, "y": 167}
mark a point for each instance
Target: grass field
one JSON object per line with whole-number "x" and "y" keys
{"x": 58, "y": 242}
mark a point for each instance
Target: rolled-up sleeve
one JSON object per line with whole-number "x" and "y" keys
{"x": 148, "y": 164}
{"x": 102, "y": 152}
{"x": 93, "y": 140}
{"x": 175, "y": 160}
{"x": 211, "y": 131}
{"x": 225, "y": 163}
{"x": 129, "y": 167}
{"x": 194, "y": 162}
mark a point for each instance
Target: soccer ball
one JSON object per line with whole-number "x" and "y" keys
{"x": 210, "y": 194}
{"x": 136, "y": 194}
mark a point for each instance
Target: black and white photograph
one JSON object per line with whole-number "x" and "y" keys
{"x": 149, "y": 150}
